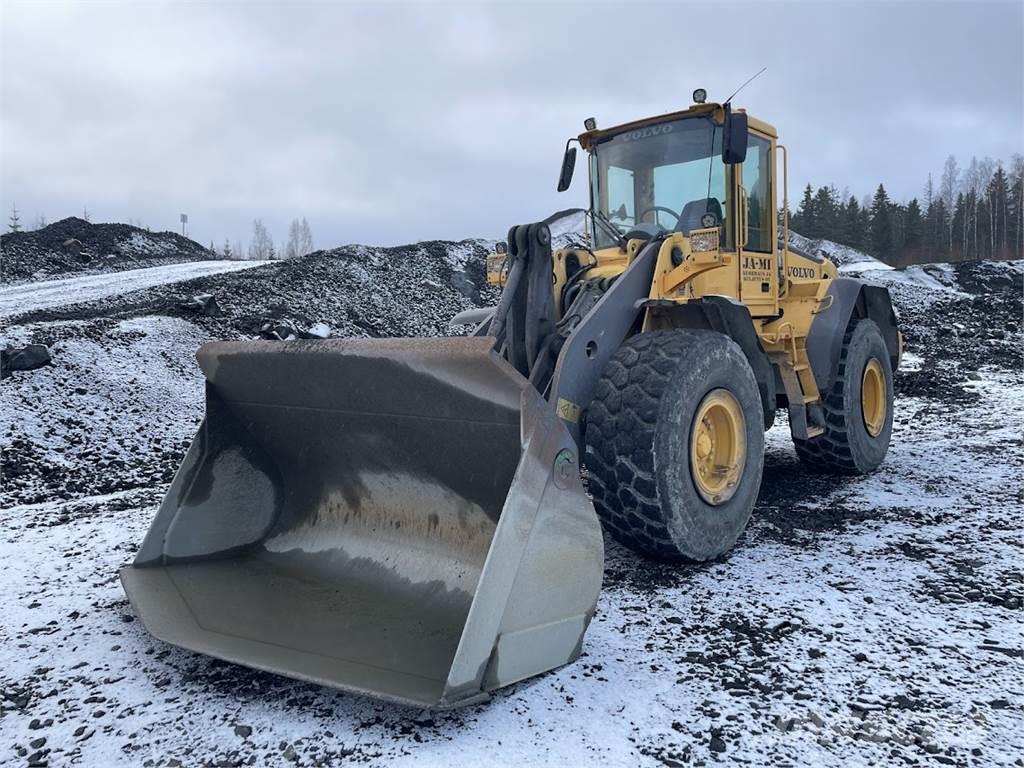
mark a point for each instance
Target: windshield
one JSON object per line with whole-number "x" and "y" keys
{"x": 662, "y": 177}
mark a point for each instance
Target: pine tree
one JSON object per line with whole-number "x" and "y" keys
{"x": 826, "y": 218}
{"x": 936, "y": 235}
{"x": 913, "y": 232}
{"x": 227, "y": 250}
{"x": 14, "y": 222}
{"x": 897, "y": 224}
{"x": 997, "y": 195}
{"x": 803, "y": 221}
{"x": 881, "y": 234}
{"x": 982, "y": 226}
{"x": 85, "y": 214}
{"x": 851, "y": 226}
{"x": 1015, "y": 208}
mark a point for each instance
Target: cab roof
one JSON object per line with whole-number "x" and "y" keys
{"x": 716, "y": 111}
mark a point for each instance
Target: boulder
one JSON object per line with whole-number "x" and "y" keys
{"x": 203, "y": 303}
{"x": 276, "y": 330}
{"x": 25, "y": 359}
{"x": 316, "y": 331}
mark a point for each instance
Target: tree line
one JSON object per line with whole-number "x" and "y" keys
{"x": 975, "y": 213}
{"x": 262, "y": 247}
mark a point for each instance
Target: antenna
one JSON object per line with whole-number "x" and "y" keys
{"x": 744, "y": 85}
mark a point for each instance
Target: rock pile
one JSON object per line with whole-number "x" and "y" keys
{"x": 74, "y": 245}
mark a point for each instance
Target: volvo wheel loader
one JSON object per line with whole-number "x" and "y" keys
{"x": 406, "y": 518}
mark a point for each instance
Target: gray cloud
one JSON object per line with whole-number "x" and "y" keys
{"x": 391, "y": 123}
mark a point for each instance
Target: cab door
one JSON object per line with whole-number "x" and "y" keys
{"x": 759, "y": 274}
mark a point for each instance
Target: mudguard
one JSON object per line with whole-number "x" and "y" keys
{"x": 851, "y": 299}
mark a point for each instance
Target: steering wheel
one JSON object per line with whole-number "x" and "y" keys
{"x": 657, "y": 208}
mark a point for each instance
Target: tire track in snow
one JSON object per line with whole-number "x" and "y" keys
{"x": 29, "y": 297}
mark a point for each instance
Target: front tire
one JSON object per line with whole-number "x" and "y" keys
{"x": 858, "y": 407}
{"x": 675, "y": 445}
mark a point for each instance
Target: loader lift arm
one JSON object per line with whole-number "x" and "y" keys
{"x": 564, "y": 363}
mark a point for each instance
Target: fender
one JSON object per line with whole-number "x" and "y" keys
{"x": 729, "y": 317}
{"x": 851, "y": 299}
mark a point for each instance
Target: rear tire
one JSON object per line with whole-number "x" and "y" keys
{"x": 858, "y": 407}
{"x": 645, "y": 442}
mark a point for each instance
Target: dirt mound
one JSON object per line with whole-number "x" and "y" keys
{"x": 984, "y": 277}
{"x": 411, "y": 290}
{"x": 113, "y": 354}
{"x": 75, "y": 246}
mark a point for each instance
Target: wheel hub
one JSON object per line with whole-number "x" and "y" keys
{"x": 718, "y": 446}
{"x": 873, "y": 397}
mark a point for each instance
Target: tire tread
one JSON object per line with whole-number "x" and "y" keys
{"x": 643, "y": 368}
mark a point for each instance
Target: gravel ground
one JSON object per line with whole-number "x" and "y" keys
{"x": 860, "y": 621}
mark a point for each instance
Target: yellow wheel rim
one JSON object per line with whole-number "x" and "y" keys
{"x": 718, "y": 446}
{"x": 873, "y": 397}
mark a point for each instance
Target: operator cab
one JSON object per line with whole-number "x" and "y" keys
{"x": 707, "y": 166}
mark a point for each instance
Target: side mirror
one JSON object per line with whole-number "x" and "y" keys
{"x": 734, "y": 137}
{"x": 568, "y": 166}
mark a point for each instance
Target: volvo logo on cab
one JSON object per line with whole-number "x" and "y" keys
{"x": 804, "y": 272}
{"x": 648, "y": 132}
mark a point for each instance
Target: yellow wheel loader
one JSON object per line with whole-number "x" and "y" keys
{"x": 406, "y": 518}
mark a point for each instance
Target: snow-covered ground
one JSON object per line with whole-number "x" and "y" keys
{"x": 17, "y": 299}
{"x": 860, "y": 621}
{"x": 857, "y": 621}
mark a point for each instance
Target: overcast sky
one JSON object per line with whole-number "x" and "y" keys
{"x": 390, "y": 123}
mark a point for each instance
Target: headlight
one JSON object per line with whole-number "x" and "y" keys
{"x": 704, "y": 240}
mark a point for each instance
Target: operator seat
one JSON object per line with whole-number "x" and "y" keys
{"x": 689, "y": 218}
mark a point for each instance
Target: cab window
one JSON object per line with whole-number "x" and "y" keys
{"x": 621, "y": 195}
{"x": 662, "y": 177}
{"x": 757, "y": 183}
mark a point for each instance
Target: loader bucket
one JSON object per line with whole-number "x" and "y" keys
{"x": 402, "y": 518}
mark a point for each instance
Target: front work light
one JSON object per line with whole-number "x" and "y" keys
{"x": 700, "y": 96}
{"x": 590, "y": 124}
